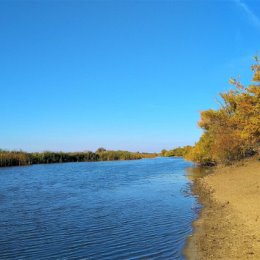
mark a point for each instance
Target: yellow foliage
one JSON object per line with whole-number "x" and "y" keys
{"x": 233, "y": 131}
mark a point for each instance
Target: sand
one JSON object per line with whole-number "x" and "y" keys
{"x": 229, "y": 224}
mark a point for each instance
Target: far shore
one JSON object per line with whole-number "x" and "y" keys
{"x": 229, "y": 224}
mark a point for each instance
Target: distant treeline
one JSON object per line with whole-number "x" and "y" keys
{"x": 179, "y": 151}
{"x": 19, "y": 158}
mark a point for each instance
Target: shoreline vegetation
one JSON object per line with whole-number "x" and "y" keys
{"x": 20, "y": 158}
{"x": 232, "y": 132}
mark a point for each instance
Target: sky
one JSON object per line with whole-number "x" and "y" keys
{"x": 129, "y": 75}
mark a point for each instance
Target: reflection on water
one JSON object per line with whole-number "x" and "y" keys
{"x": 105, "y": 210}
{"x": 196, "y": 172}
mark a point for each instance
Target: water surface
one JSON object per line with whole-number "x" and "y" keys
{"x": 103, "y": 210}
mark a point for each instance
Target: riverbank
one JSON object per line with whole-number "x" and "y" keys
{"x": 21, "y": 158}
{"x": 229, "y": 223}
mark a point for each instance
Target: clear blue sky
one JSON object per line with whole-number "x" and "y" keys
{"x": 133, "y": 75}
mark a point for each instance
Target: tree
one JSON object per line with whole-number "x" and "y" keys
{"x": 100, "y": 150}
{"x": 231, "y": 132}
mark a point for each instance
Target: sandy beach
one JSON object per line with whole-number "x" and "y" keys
{"x": 229, "y": 224}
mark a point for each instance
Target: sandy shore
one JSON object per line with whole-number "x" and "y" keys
{"x": 229, "y": 224}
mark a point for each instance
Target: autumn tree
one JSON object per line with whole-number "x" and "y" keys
{"x": 231, "y": 132}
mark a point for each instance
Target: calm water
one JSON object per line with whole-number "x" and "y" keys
{"x": 104, "y": 210}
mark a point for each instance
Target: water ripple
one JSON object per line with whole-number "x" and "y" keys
{"x": 109, "y": 210}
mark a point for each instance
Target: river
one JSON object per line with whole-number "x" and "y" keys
{"x": 96, "y": 210}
